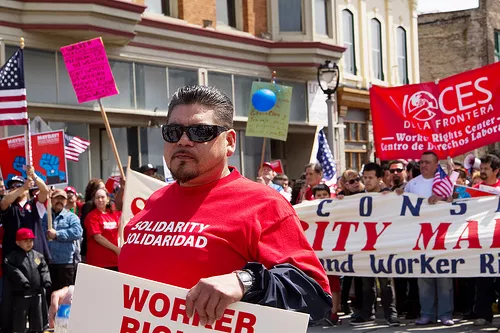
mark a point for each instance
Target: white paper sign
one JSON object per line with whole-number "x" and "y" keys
{"x": 109, "y": 302}
{"x": 318, "y": 113}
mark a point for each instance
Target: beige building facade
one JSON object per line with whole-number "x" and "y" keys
{"x": 157, "y": 46}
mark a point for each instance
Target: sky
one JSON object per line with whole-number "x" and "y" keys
{"x": 426, "y": 6}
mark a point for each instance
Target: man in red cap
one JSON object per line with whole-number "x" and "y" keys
{"x": 73, "y": 205}
{"x": 28, "y": 276}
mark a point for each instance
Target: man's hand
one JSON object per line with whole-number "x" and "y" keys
{"x": 51, "y": 234}
{"x": 399, "y": 191}
{"x": 56, "y": 298}
{"x": 433, "y": 199}
{"x": 30, "y": 172}
{"x": 211, "y": 296}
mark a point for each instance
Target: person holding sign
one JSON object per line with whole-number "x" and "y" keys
{"x": 214, "y": 231}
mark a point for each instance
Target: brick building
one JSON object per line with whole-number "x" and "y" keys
{"x": 455, "y": 42}
{"x": 156, "y": 46}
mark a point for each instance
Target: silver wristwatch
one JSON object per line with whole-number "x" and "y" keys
{"x": 246, "y": 279}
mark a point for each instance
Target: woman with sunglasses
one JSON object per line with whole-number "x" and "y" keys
{"x": 101, "y": 225}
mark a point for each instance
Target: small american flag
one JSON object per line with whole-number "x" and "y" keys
{"x": 325, "y": 157}
{"x": 442, "y": 185}
{"x": 74, "y": 146}
{"x": 13, "y": 106}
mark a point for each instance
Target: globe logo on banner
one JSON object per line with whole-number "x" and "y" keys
{"x": 421, "y": 106}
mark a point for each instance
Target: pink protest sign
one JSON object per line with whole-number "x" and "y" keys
{"x": 89, "y": 70}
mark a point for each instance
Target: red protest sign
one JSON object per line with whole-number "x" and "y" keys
{"x": 89, "y": 70}
{"x": 48, "y": 157}
{"x": 451, "y": 117}
{"x": 13, "y": 157}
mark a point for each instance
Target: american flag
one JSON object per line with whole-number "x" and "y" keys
{"x": 74, "y": 146}
{"x": 325, "y": 157}
{"x": 442, "y": 185}
{"x": 13, "y": 107}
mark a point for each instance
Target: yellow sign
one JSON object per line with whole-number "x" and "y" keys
{"x": 274, "y": 123}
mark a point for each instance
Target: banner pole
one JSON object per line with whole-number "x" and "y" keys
{"x": 121, "y": 239}
{"x": 263, "y": 154}
{"x": 111, "y": 138}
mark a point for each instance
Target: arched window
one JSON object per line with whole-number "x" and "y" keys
{"x": 402, "y": 56}
{"x": 378, "y": 64}
{"x": 348, "y": 33}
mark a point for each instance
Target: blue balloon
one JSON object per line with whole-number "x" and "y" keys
{"x": 263, "y": 100}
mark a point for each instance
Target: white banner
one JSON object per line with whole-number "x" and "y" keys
{"x": 105, "y": 301}
{"x": 391, "y": 235}
{"x": 138, "y": 189}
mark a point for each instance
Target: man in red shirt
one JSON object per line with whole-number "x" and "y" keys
{"x": 214, "y": 231}
{"x": 489, "y": 169}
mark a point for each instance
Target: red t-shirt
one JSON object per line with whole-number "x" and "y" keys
{"x": 185, "y": 234}
{"x": 105, "y": 224}
{"x": 497, "y": 184}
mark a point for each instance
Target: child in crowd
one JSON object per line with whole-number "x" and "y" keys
{"x": 321, "y": 191}
{"x": 28, "y": 274}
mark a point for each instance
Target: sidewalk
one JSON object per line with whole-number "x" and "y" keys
{"x": 409, "y": 326}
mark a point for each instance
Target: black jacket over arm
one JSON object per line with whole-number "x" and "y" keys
{"x": 286, "y": 287}
{"x": 27, "y": 272}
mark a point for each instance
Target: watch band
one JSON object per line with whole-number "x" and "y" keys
{"x": 246, "y": 279}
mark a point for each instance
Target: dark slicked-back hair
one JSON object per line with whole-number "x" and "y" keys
{"x": 493, "y": 160}
{"x": 207, "y": 96}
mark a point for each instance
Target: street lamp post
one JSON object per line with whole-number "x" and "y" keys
{"x": 329, "y": 75}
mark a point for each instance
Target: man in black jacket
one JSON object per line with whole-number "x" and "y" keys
{"x": 28, "y": 276}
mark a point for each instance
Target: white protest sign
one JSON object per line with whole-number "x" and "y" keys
{"x": 106, "y": 302}
{"x": 391, "y": 235}
{"x": 138, "y": 189}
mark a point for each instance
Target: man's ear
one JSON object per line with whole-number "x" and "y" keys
{"x": 230, "y": 142}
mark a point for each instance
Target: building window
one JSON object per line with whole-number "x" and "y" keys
{"x": 321, "y": 16}
{"x": 223, "y": 82}
{"x": 402, "y": 56}
{"x": 378, "y": 70}
{"x": 348, "y": 32}
{"x": 39, "y": 74}
{"x": 242, "y": 92}
{"x": 178, "y": 78}
{"x": 356, "y": 132}
{"x": 151, "y": 87}
{"x": 124, "y": 78}
{"x": 151, "y": 147}
{"x": 497, "y": 46}
{"x": 159, "y": 6}
{"x": 298, "y": 107}
{"x": 290, "y": 15}
{"x": 226, "y": 12}
{"x": 355, "y": 159}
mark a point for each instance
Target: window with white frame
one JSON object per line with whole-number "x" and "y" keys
{"x": 497, "y": 45}
{"x": 321, "y": 16}
{"x": 165, "y": 7}
{"x": 290, "y": 15}
{"x": 348, "y": 36}
{"x": 226, "y": 12}
{"x": 402, "y": 56}
{"x": 377, "y": 65}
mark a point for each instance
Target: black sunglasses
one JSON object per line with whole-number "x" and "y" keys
{"x": 16, "y": 185}
{"x": 355, "y": 180}
{"x": 398, "y": 170}
{"x": 197, "y": 133}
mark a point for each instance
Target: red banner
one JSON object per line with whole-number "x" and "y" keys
{"x": 450, "y": 117}
{"x": 48, "y": 157}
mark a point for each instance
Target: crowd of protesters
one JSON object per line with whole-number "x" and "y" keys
{"x": 426, "y": 300}
{"x": 85, "y": 228}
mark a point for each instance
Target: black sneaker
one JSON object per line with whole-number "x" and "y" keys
{"x": 393, "y": 322}
{"x": 361, "y": 321}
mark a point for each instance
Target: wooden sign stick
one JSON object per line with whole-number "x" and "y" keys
{"x": 111, "y": 138}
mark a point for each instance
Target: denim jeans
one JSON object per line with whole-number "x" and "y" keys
{"x": 436, "y": 294}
